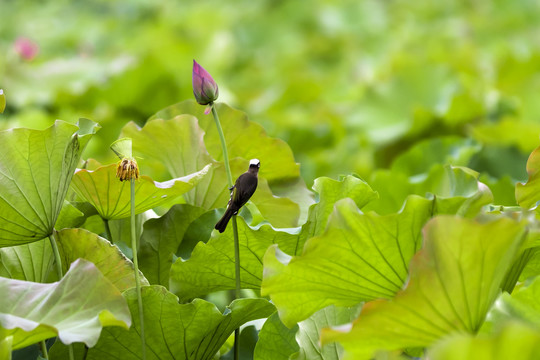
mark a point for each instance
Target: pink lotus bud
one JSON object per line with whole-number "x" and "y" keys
{"x": 26, "y": 48}
{"x": 205, "y": 88}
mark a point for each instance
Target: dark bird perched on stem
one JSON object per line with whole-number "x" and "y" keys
{"x": 241, "y": 192}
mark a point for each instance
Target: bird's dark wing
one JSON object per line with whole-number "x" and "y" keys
{"x": 245, "y": 186}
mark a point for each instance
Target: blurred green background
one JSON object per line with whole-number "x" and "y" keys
{"x": 348, "y": 84}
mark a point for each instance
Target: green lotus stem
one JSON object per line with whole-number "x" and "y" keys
{"x": 59, "y": 272}
{"x": 108, "y": 230}
{"x": 57, "y": 258}
{"x": 70, "y": 352}
{"x": 44, "y": 349}
{"x": 223, "y": 146}
{"x": 237, "y": 273}
{"x": 136, "y": 265}
{"x": 512, "y": 276}
{"x": 236, "y": 256}
{"x": 235, "y": 227}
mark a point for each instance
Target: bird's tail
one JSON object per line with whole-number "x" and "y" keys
{"x": 222, "y": 223}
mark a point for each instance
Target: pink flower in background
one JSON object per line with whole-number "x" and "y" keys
{"x": 205, "y": 88}
{"x": 26, "y": 48}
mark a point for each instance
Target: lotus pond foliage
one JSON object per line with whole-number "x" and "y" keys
{"x": 421, "y": 266}
{"x": 395, "y": 215}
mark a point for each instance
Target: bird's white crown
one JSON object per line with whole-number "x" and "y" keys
{"x": 255, "y": 162}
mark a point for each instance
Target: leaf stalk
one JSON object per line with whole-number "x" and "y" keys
{"x": 60, "y": 273}
{"x": 235, "y": 227}
{"x": 136, "y": 265}
{"x": 108, "y": 230}
{"x": 44, "y": 352}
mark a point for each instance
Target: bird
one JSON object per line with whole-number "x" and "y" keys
{"x": 241, "y": 192}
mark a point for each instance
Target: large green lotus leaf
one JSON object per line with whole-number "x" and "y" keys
{"x": 31, "y": 312}
{"x": 178, "y": 144}
{"x": 33, "y": 262}
{"x": 310, "y": 330}
{"x": 523, "y": 304}
{"x": 532, "y": 268}
{"x": 160, "y": 241}
{"x": 455, "y": 190}
{"x": 36, "y": 167}
{"x": 111, "y": 197}
{"x": 359, "y": 257}
{"x": 513, "y": 341}
{"x": 330, "y": 191}
{"x": 279, "y": 211}
{"x": 174, "y": 331}
{"x": 529, "y": 193}
{"x": 245, "y": 139}
{"x": 199, "y": 230}
{"x": 526, "y": 264}
{"x": 444, "y": 150}
{"x": 452, "y": 189}
{"x": 503, "y": 189}
{"x": 520, "y": 262}
{"x": 211, "y": 266}
{"x": 301, "y": 342}
{"x": 276, "y": 341}
{"x": 30, "y": 262}
{"x": 297, "y": 191}
{"x": 213, "y": 191}
{"x": 508, "y": 132}
{"x": 80, "y": 243}
{"x": 463, "y": 107}
{"x": 121, "y": 230}
{"x": 499, "y": 161}
{"x": 70, "y": 217}
{"x": 453, "y": 282}
{"x": 393, "y": 189}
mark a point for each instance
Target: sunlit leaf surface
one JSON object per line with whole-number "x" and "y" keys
{"x": 211, "y": 266}
{"x": 33, "y": 261}
{"x": 179, "y": 144}
{"x": 301, "y": 342}
{"x": 30, "y": 262}
{"x": 194, "y": 331}
{"x": 111, "y": 197}
{"x": 160, "y": 241}
{"x": 513, "y": 341}
{"x": 359, "y": 257}
{"x": 31, "y": 312}
{"x": 310, "y": 331}
{"x": 453, "y": 282}
{"x": 453, "y": 189}
{"x": 276, "y": 341}
{"x": 443, "y": 150}
{"x": 110, "y": 261}
{"x": 70, "y": 216}
{"x": 406, "y": 94}
{"x": 36, "y": 168}
{"x": 245, "y": 139}
{"x": 523, "y": 304}
{"x": 528, "y": 194}
{"x": 330, "y": 191}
